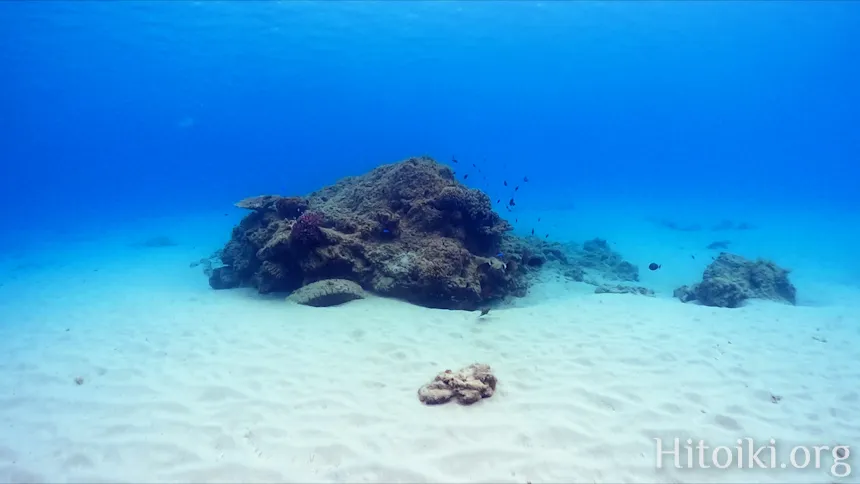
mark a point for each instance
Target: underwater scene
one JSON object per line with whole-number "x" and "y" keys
{"x": 429, "y": 241}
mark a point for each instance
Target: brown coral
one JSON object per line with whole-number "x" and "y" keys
{"x": 467, "y": 385}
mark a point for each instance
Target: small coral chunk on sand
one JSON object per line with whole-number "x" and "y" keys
{"x": 467, "y": 385}
{"x": 328, "y": 292}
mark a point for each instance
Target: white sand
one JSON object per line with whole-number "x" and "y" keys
{"x": 185, "y": 384}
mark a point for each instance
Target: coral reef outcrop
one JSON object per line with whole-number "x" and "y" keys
{"x": 466, "y": 385}
{"x": 408, "y": 230}
{"x": 731, "y": 279}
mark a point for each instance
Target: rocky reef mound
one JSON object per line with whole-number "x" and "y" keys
{"x": 731, "y": 279}
{"x": 467, "y": 385}
{"x": 408, "y": 230}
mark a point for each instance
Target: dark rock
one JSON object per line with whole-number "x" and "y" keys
{"x": 731, "y": 279}
{"x": 685, "y": 293}
{"x": 224, "y": 278}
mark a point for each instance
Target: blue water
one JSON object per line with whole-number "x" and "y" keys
{"x": 117, "y": 112}
{"x": 122, "y": 121}
{"x": 145, "y": 107}
{"x": 692, "y": 111}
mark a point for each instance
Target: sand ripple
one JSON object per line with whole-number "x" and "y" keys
{"x": 213, "y": 389}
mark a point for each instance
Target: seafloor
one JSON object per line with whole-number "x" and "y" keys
{"x": 121, "y": 364}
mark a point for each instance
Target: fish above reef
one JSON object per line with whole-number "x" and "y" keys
{"x": 654, "y": 266}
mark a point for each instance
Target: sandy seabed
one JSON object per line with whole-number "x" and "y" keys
{"x": 184, "y": 384}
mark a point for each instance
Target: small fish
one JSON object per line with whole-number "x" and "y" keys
{"x": 517, "y": 188}
{"x": 533, "y": 231}
{"x": 473, "y": 165}
{"x": 465, "y": 176}
{"x": 226, "y": 214}
{"x": 526, "y": 179}
{"x": 654, "y": 266}
{"x": 538, "y": 219}
{"x": 499, "y": 200}
{"x": 692, "y": 256}
{"x": 546, "y": 236}
{"x": 484, "y": 311}
{"x": 454, "y": 160}
{"x": 385, "y": 231}
{"x": 453, "y": 172}
{"x": 506, "y": 183}
{"x": 512, "y": 203}
{"x": 516, "y": 220}
{"x": 500, "y": 254}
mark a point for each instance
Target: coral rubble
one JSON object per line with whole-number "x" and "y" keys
{"x": 467, "y": 386}
{"x": 731, "y": 279}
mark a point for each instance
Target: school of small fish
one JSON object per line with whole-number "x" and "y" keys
{"x": 511, "y": 203}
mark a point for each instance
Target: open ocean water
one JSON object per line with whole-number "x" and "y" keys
{"x": 128, "y": 130}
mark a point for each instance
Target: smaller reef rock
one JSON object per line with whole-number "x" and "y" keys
{"x": 329, "y": 292}
{"x": 467, "y": 385}
{"x": 731, "y": 279}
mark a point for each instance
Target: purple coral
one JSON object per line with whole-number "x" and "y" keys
{"x": 306, "y": 230}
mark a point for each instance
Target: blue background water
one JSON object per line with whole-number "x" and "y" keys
{"x": 119, "y": 110}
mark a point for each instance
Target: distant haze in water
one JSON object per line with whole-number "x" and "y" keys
{"x": 121, "y": 108}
